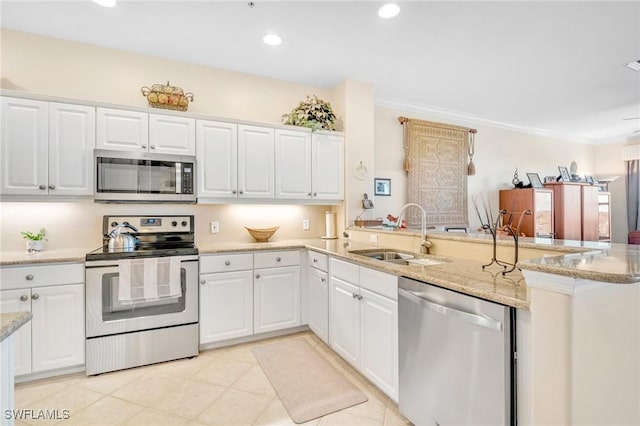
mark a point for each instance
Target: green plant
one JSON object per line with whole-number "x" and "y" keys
{"x": 313, "y": 112}
{"x": 34, "y": 237}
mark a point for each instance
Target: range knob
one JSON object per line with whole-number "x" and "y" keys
{"x": 184, "y": 223}
{"x": 174, "y": 223}
{"x": 114, "y": 224}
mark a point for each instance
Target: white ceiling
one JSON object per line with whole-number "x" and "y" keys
{"x": 555, "y": 68}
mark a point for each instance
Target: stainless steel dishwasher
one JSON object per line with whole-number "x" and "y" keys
{"x": 456, "y": 358}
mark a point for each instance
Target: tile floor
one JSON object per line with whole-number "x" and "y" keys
{"x": 219, "y": 387}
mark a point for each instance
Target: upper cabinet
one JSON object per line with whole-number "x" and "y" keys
{"x": 293, "y": 165}
{"x": 47, "y": 148}
{"x": 256, "y": 164}
{"x": 217, "y": 148}
{"x": 124, "y": 130}
{"x": 327, "y": 154}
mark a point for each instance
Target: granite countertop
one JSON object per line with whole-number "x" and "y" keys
{"x": 8, "y": 258}
{"x": 12, "y": 321}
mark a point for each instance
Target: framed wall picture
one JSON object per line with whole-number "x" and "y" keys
{"x": 535, "y": 180}
{"x": 382, "y": 186}
{"x": 564, "y": 174}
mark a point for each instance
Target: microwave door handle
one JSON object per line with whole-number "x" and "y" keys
{"x": 178, "y": 178}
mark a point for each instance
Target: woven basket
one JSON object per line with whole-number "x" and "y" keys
{"x": 262, "y": 235}
{"x": 167, "y": 97}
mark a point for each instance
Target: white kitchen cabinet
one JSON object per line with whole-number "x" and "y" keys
{"x": 318, "y": 294}
{"x": 226, "y": 296}
{"x": 226, "y": 305}
{"x": 16, "y": 301}
{"x": 55, "y": 337}
{"x": 169, "y": 134}
{"x": 47, "y": 148}
{"x": 327, "y": 166}
{"x": 217, "y": 155}
{"x": 256, "y": 162}
{"x": 293, "y": 164}
{"x": 276, "y": 288}
{"x": 122, "y": 130}
{"x": 363, "y": 322}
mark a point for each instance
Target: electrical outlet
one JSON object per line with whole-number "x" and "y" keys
{"x": 373, "y": 238}
{"x": 215, "y": 227}
{"x": 305, "y": 224}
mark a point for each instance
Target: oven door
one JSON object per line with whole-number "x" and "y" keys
{"x": 107, "y": 315}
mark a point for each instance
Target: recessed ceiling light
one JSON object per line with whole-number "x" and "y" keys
{"x": 389, "y": 10}
{"x": 105, "y": 3}
{"x": 272, "y": 39}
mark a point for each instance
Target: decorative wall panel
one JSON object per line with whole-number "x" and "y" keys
{"x": 437, "y": 171}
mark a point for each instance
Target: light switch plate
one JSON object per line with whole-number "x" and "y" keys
{"x": 305, "y": 224}
{"x": 215, "y": 227}
{"x": 373, "y": 238}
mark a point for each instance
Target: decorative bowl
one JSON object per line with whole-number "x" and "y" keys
{"x": 262, "y": 235}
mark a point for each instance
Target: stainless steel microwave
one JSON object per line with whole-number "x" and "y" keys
{"x": 132, "y": 177}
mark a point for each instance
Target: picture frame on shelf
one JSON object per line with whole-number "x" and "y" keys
{"x": 588, "y": 179}
{"x": 564, "y": 174}
{"x": 382, "y": 186}
{"x": 535, "y": 181}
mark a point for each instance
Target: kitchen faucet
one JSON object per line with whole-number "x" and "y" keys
{"x": 424, "y": 243}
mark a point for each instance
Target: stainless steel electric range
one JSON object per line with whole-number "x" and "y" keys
{"x": 142, "y": 301}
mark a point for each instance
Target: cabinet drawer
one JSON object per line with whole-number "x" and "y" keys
{"x": 379, "y": 282}
{"x": 271, "y": 259}
{"x": 226, "y": 263}
{"x": 318, "y": 260}
{"x": 18, "y": 277}
{"x": 345, "y": 270}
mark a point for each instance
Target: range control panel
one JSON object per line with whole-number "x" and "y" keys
{"x": 150, "y": 224}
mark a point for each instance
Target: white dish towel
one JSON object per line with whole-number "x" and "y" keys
{"x": 149, "y": 279}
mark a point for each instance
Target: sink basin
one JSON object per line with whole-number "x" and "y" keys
{"x": 397, "y": 257}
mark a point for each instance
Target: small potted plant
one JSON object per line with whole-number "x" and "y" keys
{"x": 35, "y": 242}
{"x": 314, "y": 113}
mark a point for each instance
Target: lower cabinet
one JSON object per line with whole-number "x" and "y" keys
{"x": 364, "y": 322}
{"x": 318, "y": 294}
{"x": 54, "y": 338}
{"x": 242, "y": 294}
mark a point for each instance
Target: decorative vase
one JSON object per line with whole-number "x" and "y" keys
{"x": 35, "y": 245}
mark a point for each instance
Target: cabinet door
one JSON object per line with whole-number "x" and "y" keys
{"x": 24, "y": 147}
{"x": 58, "y": 326}
{"x": 344, "y": 320}
{"x": 217, "y": 153}
{"x": 590, "y": 213}
{"x": 255, "y": 162}
{"x": 379, "y": 337}
{"x": 293, "y": 165}
{"x": 122, "y": 130}
{"x": 72, "y": 138}
{"x": 172, "y": 135}
{"x": 318, "y": 302}
{"x": 14, "y": 301}
{"x": 277, "y": 298}
{"x": 327, "y": 167}
{"x": 226, "y": 306}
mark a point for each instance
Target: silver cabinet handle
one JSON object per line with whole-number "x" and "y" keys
{"x": 234, "y": 191}
{"x": 203, "y": 282}
{"x": 227, "y": 262}
{"x": 241, "y": 191}
{"x": 29, "y": 277}
{"x": 278, "y": 259}
{"x": 323, "y": 279}
{"x": 315, "y": 260}
{"x": 43, "y": 187}
{"x": 257, "y": 275}
{"x": 24, "y": 298}
{"x": 315, "y": 194}
{"x": 35, "y": 296}
{"x": 445, "y": 310}
{"x": 152, "y": 147}
{"x": 144, "y": 146}
{"x": 309, "y": 194}
{"x": 355, "y": 296}
{"x": 52, "y": 187}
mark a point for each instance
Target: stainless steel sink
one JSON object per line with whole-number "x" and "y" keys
{"x": 397, "y": 257}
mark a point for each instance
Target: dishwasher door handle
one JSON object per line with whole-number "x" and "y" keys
{"x": 455, "y": 313}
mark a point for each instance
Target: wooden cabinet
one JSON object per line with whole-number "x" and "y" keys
{"x": 55, "y": 337}
{"x": 47, "y": 148}
{"x": 539, "y": 201}
{"x": 276, "y": 289}
{"x": 327, "y": 153}
{"x": 217, "y": 152}
{"x": 135, "y": 131}
{"x": 256, "y": 162}
{"x": 576, "y": 210}
{"x": 293, "y": 165}
{"x": 318, "y": 294}
{"x": 363, "y": 322}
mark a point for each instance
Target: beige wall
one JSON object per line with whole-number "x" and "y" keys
{"x": 56, "y": 67}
